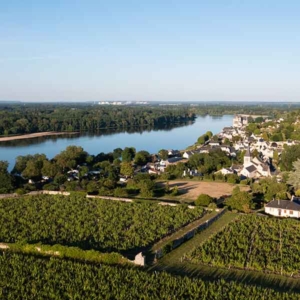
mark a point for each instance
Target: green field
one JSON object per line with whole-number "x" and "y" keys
{"x": 255, "y": 243}
{"x": 30, "y": 277}
{"x": 177, "y": 262}
{"x": 89, "y": 223}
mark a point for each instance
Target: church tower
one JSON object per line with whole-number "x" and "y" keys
{"x": 247, "y": 157}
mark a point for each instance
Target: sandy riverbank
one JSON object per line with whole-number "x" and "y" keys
{"x": 33, "y": 135}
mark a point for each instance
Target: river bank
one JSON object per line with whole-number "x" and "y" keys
{"x": 33, "y": 135}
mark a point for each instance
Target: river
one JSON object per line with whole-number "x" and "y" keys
{"x": 152, "y": 140}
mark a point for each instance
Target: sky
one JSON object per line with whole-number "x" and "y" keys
{"x": 158, "y": 50}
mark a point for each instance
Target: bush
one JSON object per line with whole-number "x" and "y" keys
{"x": 232, "y": 178}
{"x": 175, "y": 191}
{"x": 51, "y": 187}
{"x": 203, "y": 200}
{"x": 119, "y": 192}
{"x": 20, "y": 191}
{"x": 244, "y": 181}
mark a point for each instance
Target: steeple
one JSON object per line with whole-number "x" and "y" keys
{"x": 247, "y": 157}
{"x": 248, "y": 153}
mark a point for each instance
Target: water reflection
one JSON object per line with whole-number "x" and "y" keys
{"x": 102, "y": 132}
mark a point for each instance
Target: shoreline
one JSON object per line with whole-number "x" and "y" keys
{"x": 34, "y": 135}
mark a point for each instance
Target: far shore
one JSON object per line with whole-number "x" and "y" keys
{"x": 33, "y": 135}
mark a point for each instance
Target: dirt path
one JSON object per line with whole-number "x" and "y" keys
{"x": 33, "y": 135}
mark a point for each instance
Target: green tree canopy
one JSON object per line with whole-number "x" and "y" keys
{"x": 294, "y": 177}
{"x": 163, "y": 154}
{"x": 288, "y": 156}
{"x": 126, "y": 169}
{"x": 6, "y": 184}
{"x": 128, "y": 154}
{"x": 142, "y": 157}
{"x": 241, "y": 201}
{"x": 203, "y": 200}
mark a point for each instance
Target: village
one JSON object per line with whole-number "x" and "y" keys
{"x": 257, "y": 159}
{"x": 232, "y": 156}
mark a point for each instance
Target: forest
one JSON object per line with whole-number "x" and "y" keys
{"x": 38, "y": 117}
{"x": 29, "y": 277}
{"x": 254, "y": 242}
{"x": 23, "y": 119}
{"x": 103, "y": 225}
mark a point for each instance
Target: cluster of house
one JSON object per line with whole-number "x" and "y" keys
{"x": 158, "y": 166}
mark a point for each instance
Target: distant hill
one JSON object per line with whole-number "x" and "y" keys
{"x": 9, "y": 102}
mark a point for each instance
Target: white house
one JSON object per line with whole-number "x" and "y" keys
{"x": 284, "y": 208}
{"x": 225, "y": 171}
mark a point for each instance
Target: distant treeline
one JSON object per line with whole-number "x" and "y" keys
{"x": 20, "y": 119}
{"x": 37, "y": 117}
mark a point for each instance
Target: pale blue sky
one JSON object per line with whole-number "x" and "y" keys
{"x": 149, "y": 50}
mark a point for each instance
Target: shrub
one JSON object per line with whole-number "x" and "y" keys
{"x": 203, "y": 200}
{"x": 20, "y": 191}
{"x": 119, "y": 192}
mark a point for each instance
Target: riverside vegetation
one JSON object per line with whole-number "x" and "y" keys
{"x": 39, "y": 118}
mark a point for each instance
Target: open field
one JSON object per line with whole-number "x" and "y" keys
{"x": 33, "y": 135}
{"x": 190, "y": 190}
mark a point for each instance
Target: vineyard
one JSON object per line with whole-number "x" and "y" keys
{"x": 29, "y": 277}
{"x": 254, "y": 242}
{"x": 89, "y": 223}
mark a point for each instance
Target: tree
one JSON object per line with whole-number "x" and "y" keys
{"x": 255, "y": 153}
{"x": 294, "y": 177}
{"x": 92, "y": 187}
{"x": 126, "y": 169}
{"x": 117, "y": 153}
{"x": 163, "y": 154}
{"x": 241, "y": 201}
{"x": 20, "y": 164}
{"x": 6, "y": 184}
{"x": 34, "y": 166}
{"x": 202, "y": 139}
{"x": 146, "y": 188}
{"x": 227, "y": 142}
{"x": 209, "y": 134}
{"x": 275, "y": 157}
{"x": 203, "y": 200}
{"x": 71, "y": 157}
{"x": 120, "y": 192}
{"x": 141, "y": 158}
{"x": 265, "y": 136}
{"x": 288, "y": 156}
{"x": 128, "y": 154}
{"x": 50, "y": 168}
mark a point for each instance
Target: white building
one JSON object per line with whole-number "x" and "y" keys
{"x": 284, "y": 208}
{"x": 254, "y": 168}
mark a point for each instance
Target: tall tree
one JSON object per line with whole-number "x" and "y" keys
{"x": 241, "y": 201}
{"x": 128, "y": 154}
{"x": 6, "y": 184}
{"x": 294, "y": 177}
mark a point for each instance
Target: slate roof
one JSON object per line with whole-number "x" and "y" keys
{"x": 251, "y": 169}
{"x": 285, "y": 204}
{"x": 174, "y": 159}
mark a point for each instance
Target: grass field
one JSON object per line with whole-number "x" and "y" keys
{"x": 190, "y": 190}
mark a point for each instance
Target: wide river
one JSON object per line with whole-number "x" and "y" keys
{"x": 151, "y": 140}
